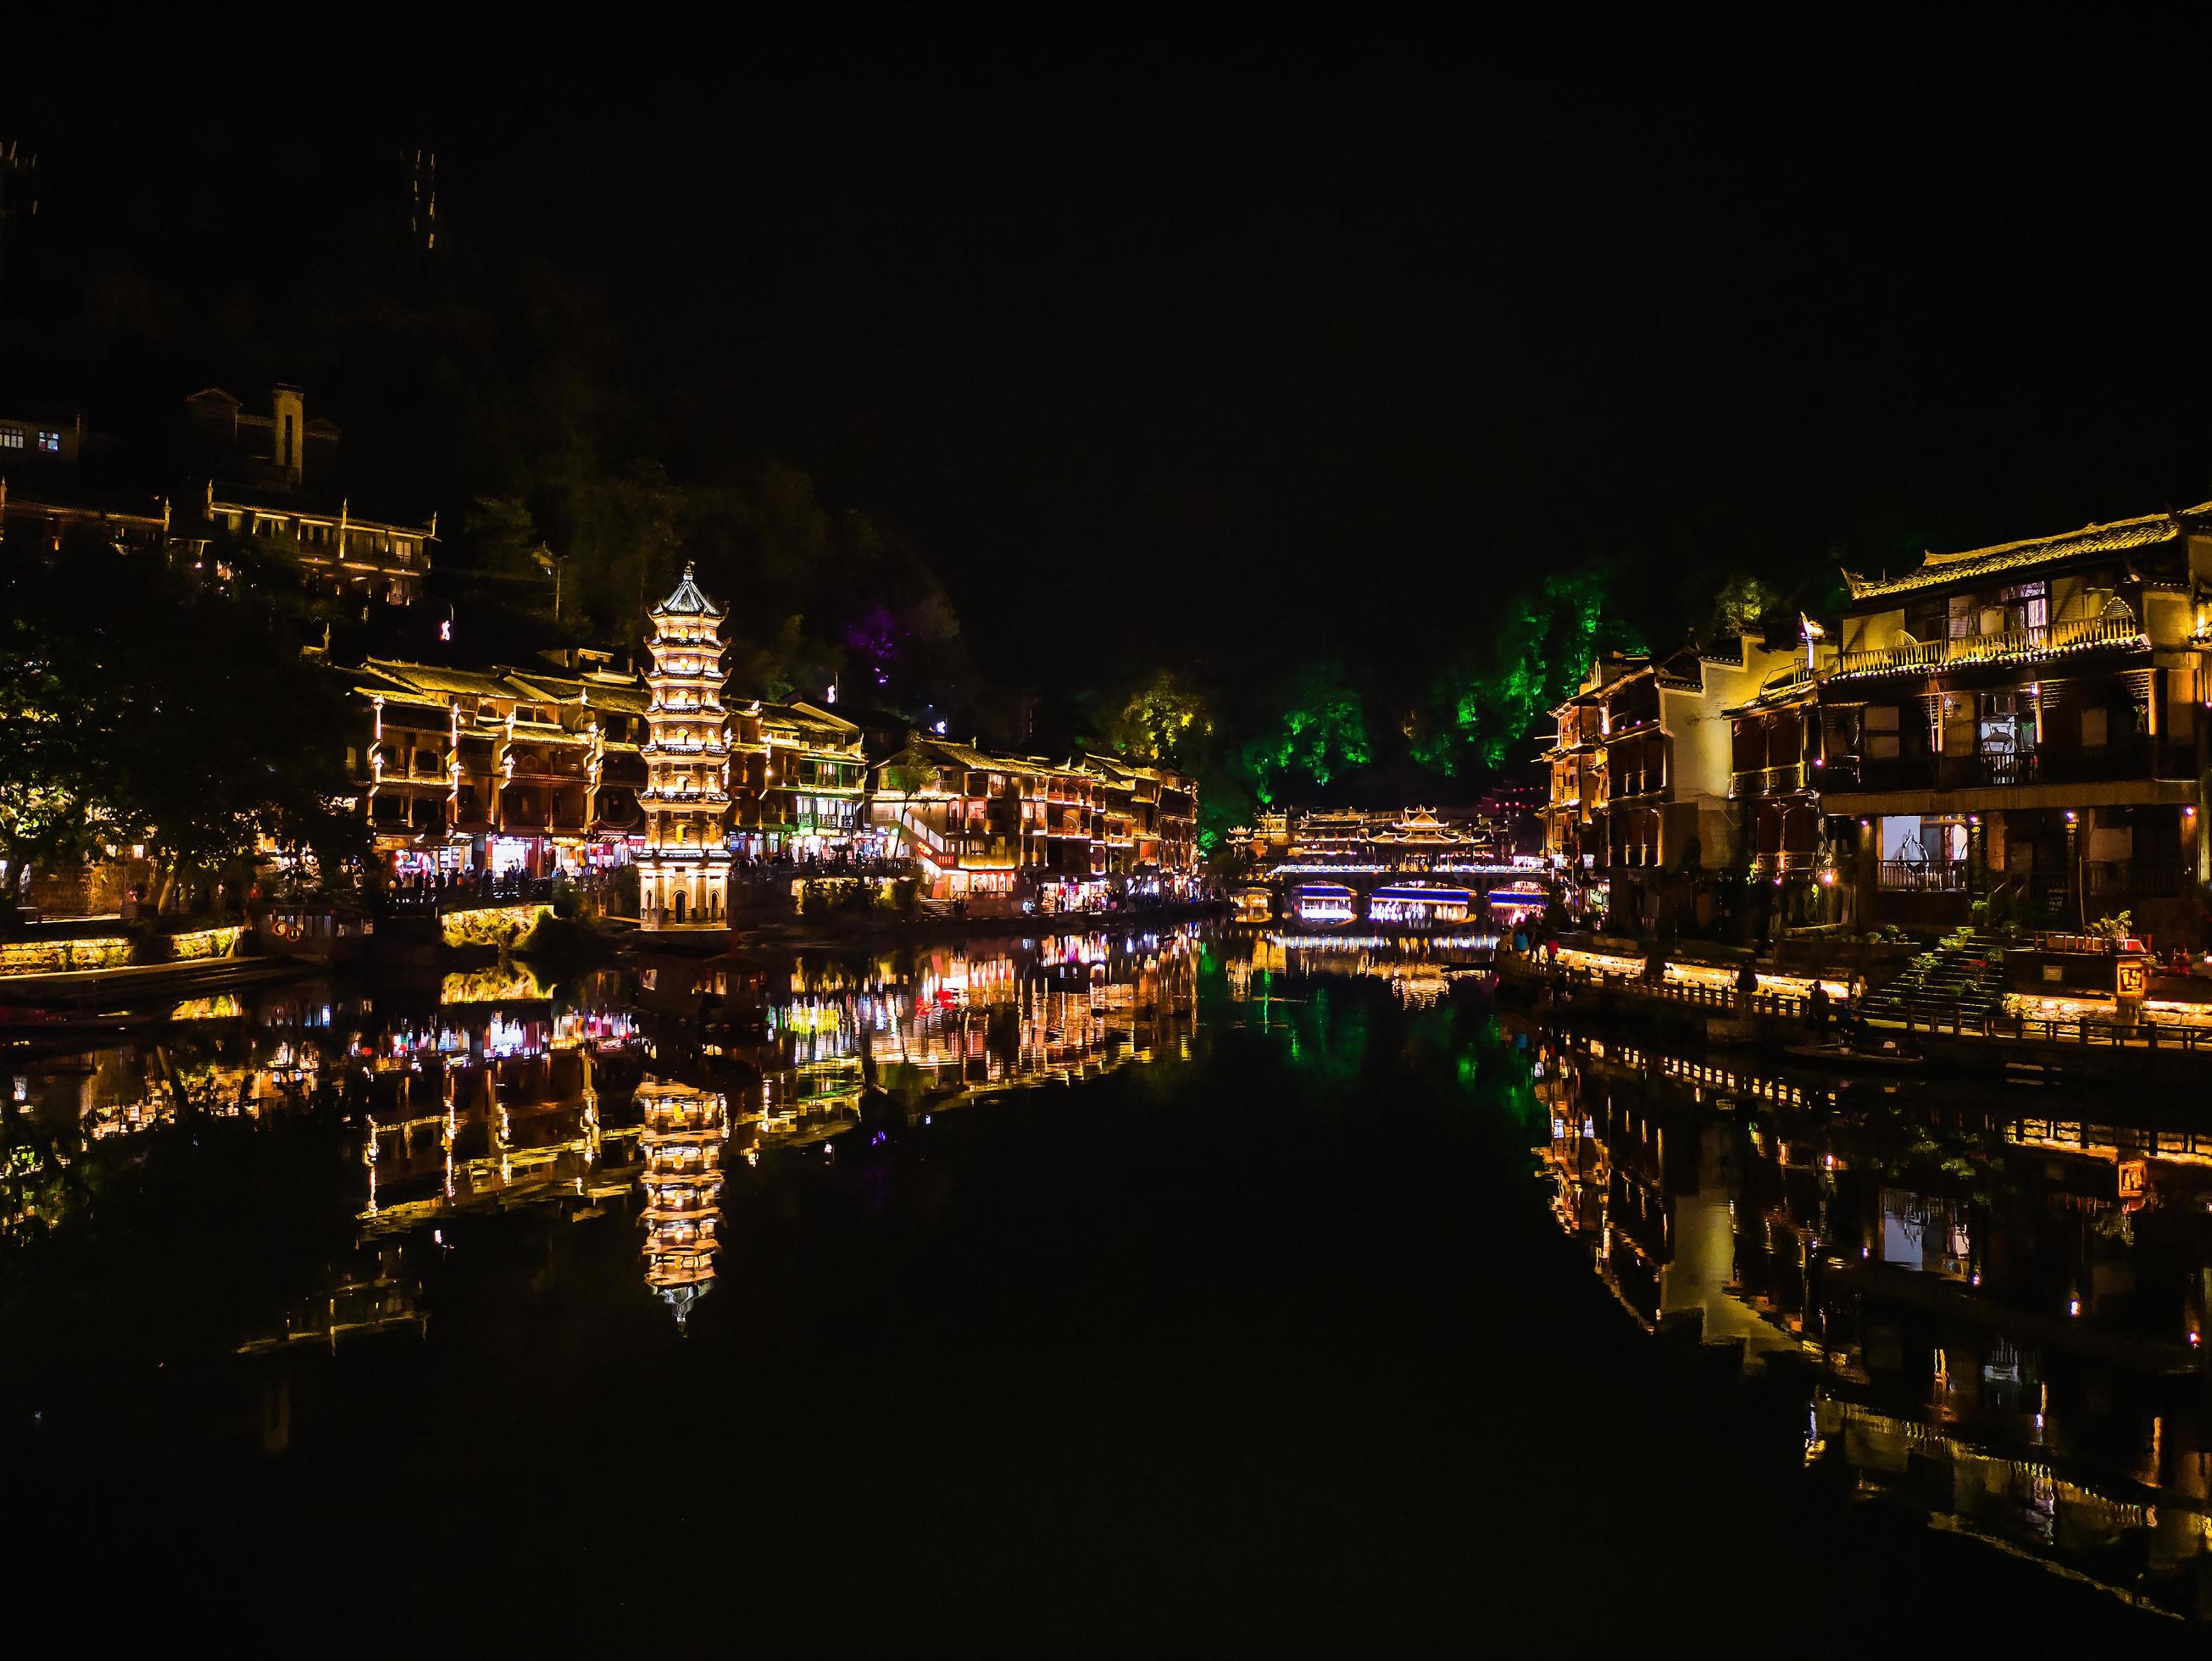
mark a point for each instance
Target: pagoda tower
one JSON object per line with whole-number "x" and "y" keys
{"x": 682, "y": 1185}
{"x": 684, "y": 875}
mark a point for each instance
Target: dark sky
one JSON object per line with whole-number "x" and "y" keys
{"x": 1319, "y": 331}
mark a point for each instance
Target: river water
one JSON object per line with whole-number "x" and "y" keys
{"x": 1186, "y": 1290}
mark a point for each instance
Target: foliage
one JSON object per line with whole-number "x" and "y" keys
{"x": 1167, "y": 720}
{"x": 1743, "y": 606}
{"x": 1531, "y": 660}
{"x": 2113, "y": 929}
{"x": 1321, "y": 735}
{"x": 147, "y": 704}
{"x": 2003, "y": 912}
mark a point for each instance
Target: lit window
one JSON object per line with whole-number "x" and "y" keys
{"x": 11, "y": 438}
{"x": 51, "y": 443}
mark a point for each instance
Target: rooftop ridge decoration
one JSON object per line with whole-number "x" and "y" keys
{"x": 2119, "y": 535}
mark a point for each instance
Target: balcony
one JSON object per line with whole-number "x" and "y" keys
{"x": 1767, "y": 781}
{"x": 1922, "y": 876}
{"x": 2101, "y": 879}
{"x": 2129, "y": 758}
{"x": 2150, "y": 880}
{"x": 1789, "y": 861}
{"x": 2121, "y": 633}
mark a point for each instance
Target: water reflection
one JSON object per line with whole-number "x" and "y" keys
{"x": 1994, "y": 1300}
{"x": 1998, "y": 1304}
{"x": 484, "y": 1094}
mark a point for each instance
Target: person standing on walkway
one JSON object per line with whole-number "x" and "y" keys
{"x": 1746, "y": 984}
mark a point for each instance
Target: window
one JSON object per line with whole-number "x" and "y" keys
{"x": 11, "y": 438}
{"x": 51, "y": 443}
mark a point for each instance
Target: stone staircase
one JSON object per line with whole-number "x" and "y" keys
{"x": 1963, "y": 975}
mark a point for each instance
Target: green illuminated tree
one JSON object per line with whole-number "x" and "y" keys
{"x": 1322, "y": 737}
{"x": 1533, "y": 660}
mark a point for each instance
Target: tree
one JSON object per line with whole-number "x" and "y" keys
{"x": 62, "y": 710}
{"x": 162, "y": 706}
{"x": 1321, "y": 735}
{"x": 1166, "y": 720}
{"x": 1532, "y": 661}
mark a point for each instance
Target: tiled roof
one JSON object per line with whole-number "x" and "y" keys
{"x": 800, "y": 714}
{"x": 1792, "y": 685}
{"x": 687, "y": 600}
{"x": 2120, "y": 536}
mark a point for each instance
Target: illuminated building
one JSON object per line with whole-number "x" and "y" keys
{"x": 1371, "y": 840}
{"x": 1002, "y": 828}
{"x": 1150, "y": 822}
{"x": 344, "y": 553}
{"x": 515, "y": 771}
{"x": 1640, "y": 775}
{"x": 2028, "y": 717}
{"x": 42, "y": 437}
{"x": 683, "y": 872}
{"x": 282, "y": 469}
{"x": 1419, "y": 840}
{"x": 797, "y": 781}
{"x": 1776, "y": 770}
{"x": 681, "y": 1184}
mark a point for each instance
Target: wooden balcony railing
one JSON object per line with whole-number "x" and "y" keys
{"x": 2012, "y": 646}
{"x": 1767, "y": 781}
{"x": 1922, "y": 876}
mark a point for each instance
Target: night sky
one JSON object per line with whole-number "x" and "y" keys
{"x": 1216, "y": 346}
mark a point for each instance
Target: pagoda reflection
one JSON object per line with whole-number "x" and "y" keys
{"x": 682, "y": 1130}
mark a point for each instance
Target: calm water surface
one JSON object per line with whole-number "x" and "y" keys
{"x": 1188, "y": 1290}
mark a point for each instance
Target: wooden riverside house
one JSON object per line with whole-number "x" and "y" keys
{"x": 518, "y": 772}
{"x": 1640, "y": 770}
{"x": 2027, "y": 719}
{"x": 999, "y": 830}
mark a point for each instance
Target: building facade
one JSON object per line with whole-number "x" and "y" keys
{"x": 272, "y": 480}
{"x": 1002, "y": 830}
{"x": 2027, "y": 721}
{"x": 1640, "y": 769}
{"x": 798, "y": 779}
{"x": 504, "y": 771}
